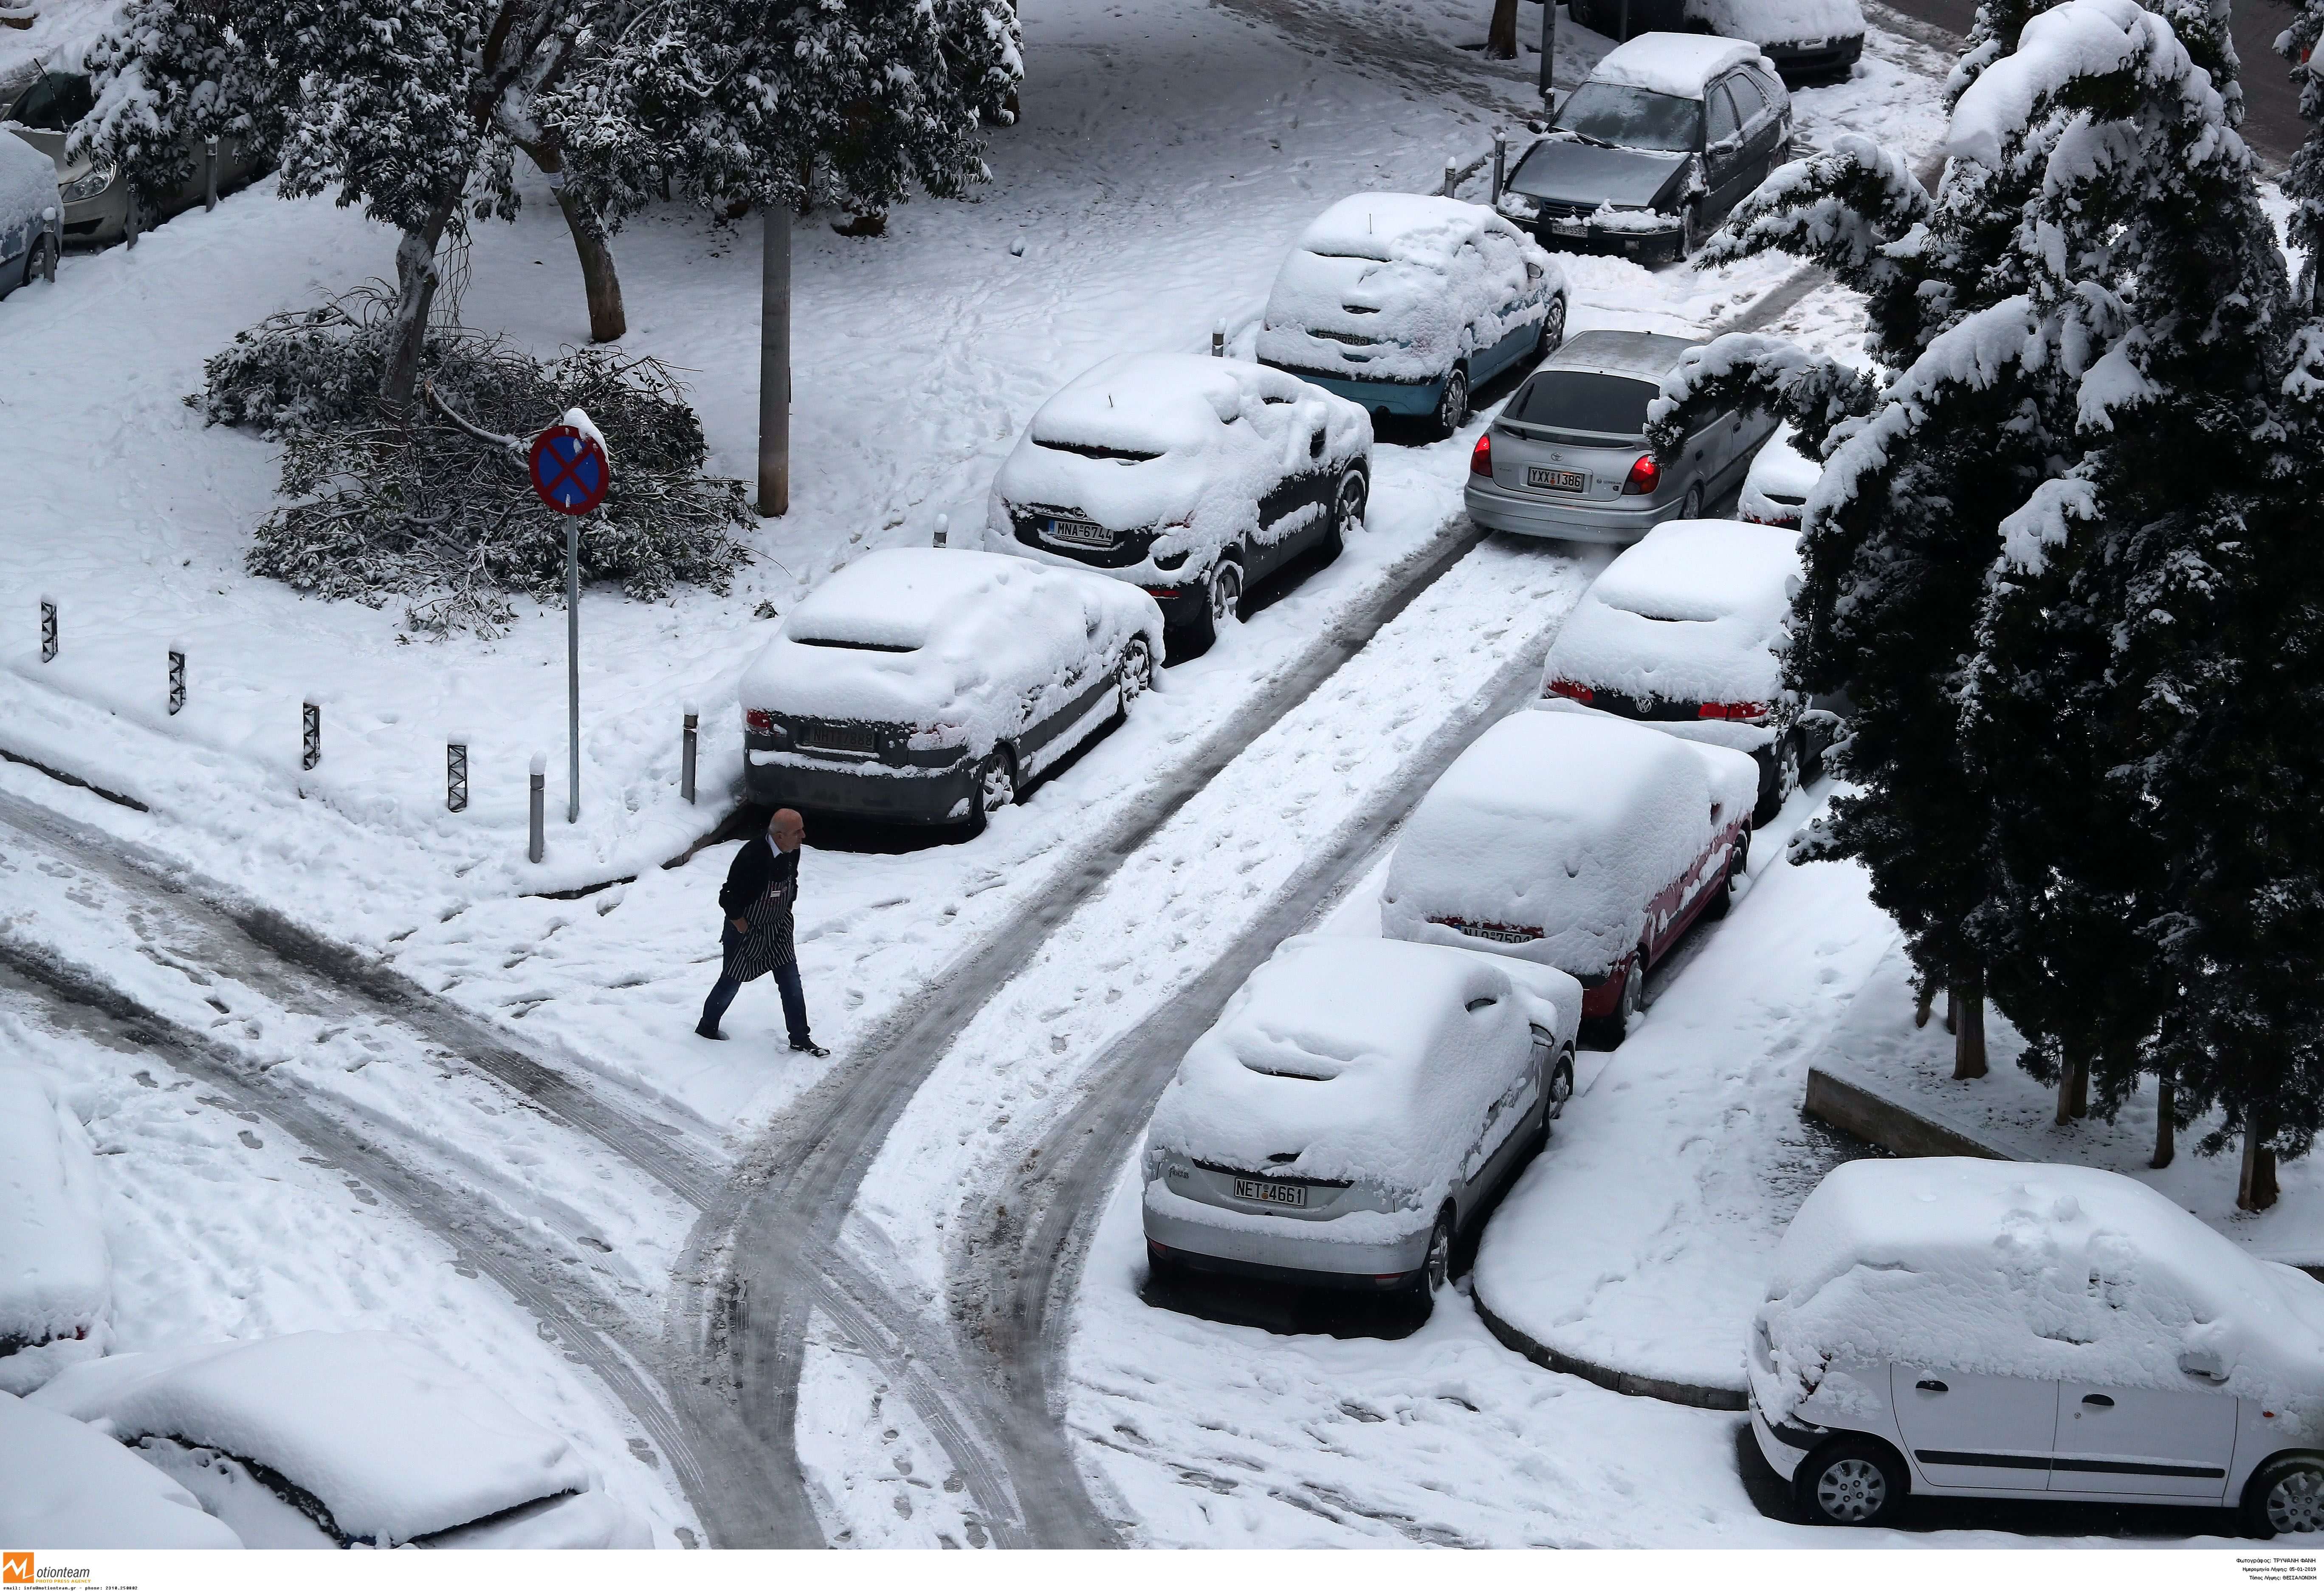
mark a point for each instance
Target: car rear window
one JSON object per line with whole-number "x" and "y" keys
{"x": 1584, "y": 400}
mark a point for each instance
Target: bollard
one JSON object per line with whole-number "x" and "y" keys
{"x": 694, "y": 729}
{"x": 539, "y": 803}
{"x": 944, "y": 530}
{"x": 56, "y": 230}
{"x": 1219, "y": 339}
{"x": 178, "y": 683}
{"x": 1500, "y": 160}
{"x": 1451, "y": 174}
{"x": 311, "y": 752}
{"x": 210, "y": 174}
{"x": 48, "y": 630}
{"x": 455, "y": 774}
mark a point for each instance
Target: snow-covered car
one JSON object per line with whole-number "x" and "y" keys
{"x": 56, "y": 1274}
{"x": 65, "y": 1484}
{"x": 1996, "y": 1329}
{"x": 1575, "y": 841}
{"x": 1353, "y": 1107}
{"x": 1188, "y": 477}
{"x": 1667, "y": 134}
{"x": 1686, "y": 631}
{"x": 1776, "y": 486}
{"x": 1408, "y": 303}
{"x": 28, "y": 213}
{"x": 1567, "y": 456}
{"x": 931, "y": 685}
{"x": 1809, "y": 41}
{"x": 333, "y": 1439}
{"x": 98, "y": 204}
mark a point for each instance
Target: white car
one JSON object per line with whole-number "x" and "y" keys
{"x": 1995, "y": 1329}
{"x": 1191, "y": 478}
{"x": 56, "y": 1274}
{"x": 1776, "y": 490}
{"x": 1686, "y": 631}
{"x": 1350, "y": 1111}
{"x": 336, "y": 1440}
{"x": 932, "y": 685}
{"x": 1574, "y": 841}
{"x": 1808, "y": 41}
{"x": 1408, "y": 303}
{"x": 65, "y": 1484}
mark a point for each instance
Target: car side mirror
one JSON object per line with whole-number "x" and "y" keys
{"x": 1726, "y": 147}
{"x": 2204, "y": 1362}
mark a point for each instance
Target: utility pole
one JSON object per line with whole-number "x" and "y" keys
{"x": 775, "y": 364}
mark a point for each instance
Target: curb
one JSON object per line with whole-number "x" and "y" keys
{"x": 1692, "y": 1393}
{"x": 1856, "y": 1105}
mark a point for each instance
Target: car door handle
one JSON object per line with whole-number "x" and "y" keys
{"x": 1930, "y": 1384}
{"x": 2100, "y": 1400}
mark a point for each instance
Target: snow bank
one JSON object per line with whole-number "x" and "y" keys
{"x": 28, "y": 191}
{"x": 393, "y": 1441}
{"x": 1562, "y": 826}
{"x": 56, "y": 1277}
{"x": 1397, "y": 286}
{"x": 1779, "y": 22}
{"x": 2048, "y": 1272}
{"x": 1677, "y": 64}
{"x": 1181, "y": 441}
{"x": 1775, "y": 491}
{"x": 1695, "y": 611}
{"x": 1374, "y": 1058}
{"x": 63, "y": 1486}
{"x": 960, "y": 645}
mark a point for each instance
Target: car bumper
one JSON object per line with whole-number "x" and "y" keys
{"x": 1783, "y": 1455}
{"x": 1658, "y": 246}
{"x": 1308, "y": 1258}
{"x": 872, "y": 791}
{"x": 1497, "y": 508}
{"x": 1796, "y": 64}
{"x": 1404, "y": 398}
{"x": 91, "y": 223}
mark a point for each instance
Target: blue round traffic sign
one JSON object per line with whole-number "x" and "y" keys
{"x": 569, "y": 470}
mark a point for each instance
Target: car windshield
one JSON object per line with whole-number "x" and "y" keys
{"x": 1633, "y": 118}
{"x": 54, "y": 102}
{"x": 1584, "y": 400}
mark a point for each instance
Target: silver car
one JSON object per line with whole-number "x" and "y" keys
{"x": 99, "y": 205}
{"x": 1568, "y": 457}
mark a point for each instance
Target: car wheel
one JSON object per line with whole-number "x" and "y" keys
{"x": 1561, "y": 1086}
{"x": 1739, "y": 860}
{"x": 1553, "y": 329}
{"x": 1436, "y": 1270}
{"x": 996, "y": 787}
{"x": 1452, "y": 408}
{"x": 1787, "y": 779}
{"x": 41, "y": 261}
{"x": 2286, "y": 1494}
{"x": 1631, "y": 1001}
{"x": 1690, "y": 231}
{"x": 1133, "y": 676}
{"x": 1851, "y": 1483}
{"x": 1689, "y": 507}
{"x": 1225, "y": 593}
{"x": 1347, "y": 513}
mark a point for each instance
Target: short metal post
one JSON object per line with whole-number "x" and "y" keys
{"x": 573, "y": 668}
{"x": 311, "y": 752}
{"x": 686, "y": 753}
{"x": 56, "y": 225}
{"x": 210, "y": 174}
{"x": 534, "y": 847}
{"x": 48, "y": 630}
{"x": 456, "y": 776}
{"x": 1219, "y": 340}
{"x": 1548, "y": 48}
{"x": 1500, "y": 160}
{"x": 944, "y": 531}
{"x": 178, "y": 683}
{"x": 1451, "y": 174}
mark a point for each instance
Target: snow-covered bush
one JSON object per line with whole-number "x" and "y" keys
{"x": 438, "y": 509}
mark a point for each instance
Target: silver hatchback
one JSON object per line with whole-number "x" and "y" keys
{"x": 1567, "y": 457}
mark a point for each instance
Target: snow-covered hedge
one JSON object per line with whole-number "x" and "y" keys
{"x": 56, "y": 1275}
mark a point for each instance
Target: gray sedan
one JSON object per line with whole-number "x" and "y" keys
{"x": 1568, "y": 457}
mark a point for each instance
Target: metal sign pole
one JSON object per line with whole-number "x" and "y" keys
{"x": 573, "y": 669}
{"x": 1548, "y": 44}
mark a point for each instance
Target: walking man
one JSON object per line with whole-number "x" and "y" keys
{"x": 760, "y": 889}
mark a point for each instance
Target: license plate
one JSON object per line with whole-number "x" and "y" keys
{"x": 1556, "y": 480}
{"x": 857, "y": 740}
{"x": 1081, "y": 532}
{"x": 1270, "y": 1193}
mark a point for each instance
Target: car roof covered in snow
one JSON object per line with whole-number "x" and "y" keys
{"x": 66, "y": 1484}
{"x": 1680, "y": 64}
{"x": 2049, "y": 1272}
{"x": 1647, "y": 356}
{"x": 392, "y": 1438}
{"x": 1369, "y": 1058}
{"x": 1156, "y": 402}
{"x": 1429, "y": 228}
{"x": 1695, "y": 611}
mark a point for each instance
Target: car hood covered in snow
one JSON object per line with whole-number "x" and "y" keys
{"x": 55, "y": 1273}
{"x": 1569, "y": 824}
{"x": 1371, "y": 1058}
{"x": 1566, "y": 170}
{"x": 66, "y": 1484}
{"x": 1696, "y": 611}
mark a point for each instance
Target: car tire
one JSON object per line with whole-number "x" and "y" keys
{"x": 1436, "y": 1267}
{"x": 1553, "y": 329}
{"x": 1689, "y": 507}
{"x": 2285, "y": 1495}
{"x": 995, "y": 787}
{"x": 1452, "y": 406}
{"x": 1133, "y": 672}
{"x": 1346, "y": 512}
{"x": 1223, "y": 596}
{"x": 1690, "y": 232}
{"x": 1561, "y": 1089}
{"x": 1853, "y": 1482}
{"x": 1629, "y": 1001}
{"x": 1738, "y": 859}
{"x": 1786, "y": 780}
{"x": 40, "y": 259}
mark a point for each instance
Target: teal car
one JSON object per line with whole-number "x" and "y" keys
{"x": 1408, "y": 303}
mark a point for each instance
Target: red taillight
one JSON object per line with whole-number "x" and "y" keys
{"x": 1481, "y": 458}
{"x": 1572, "y": 690}
{"x": 1645, "y": 476}
{"x": 1731, "y": 710}
{"x": 759, "y": 721}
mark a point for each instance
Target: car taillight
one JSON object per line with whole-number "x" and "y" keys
{"x": 1645, "y": 476}
{"x": 759, "y": 721}
{"x": 1572, "y": 690}
{"x": 1731, "y": 710}
{"x": 1481, "y": 458}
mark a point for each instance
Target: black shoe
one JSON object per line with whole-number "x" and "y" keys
{"x": 809, "y": 1049}
{"x": 709, "y": 1033}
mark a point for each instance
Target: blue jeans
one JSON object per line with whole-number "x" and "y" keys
{"x": 787, "y": 981}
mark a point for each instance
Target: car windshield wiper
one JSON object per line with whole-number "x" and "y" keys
{"x": 1586, "y": 138}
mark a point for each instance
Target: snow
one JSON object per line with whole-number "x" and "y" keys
{"x": 2046, "y": 1273}
{"x": 1678, "y": 64}
{"x": 1224, "y": 435}
{"x": 1565, "y": 824}
{"x": 959, "y": 645}
{"x": 2076, "y": 39}
{"x": 56, "y": 1276}
{"x": 1695, "y": 611}
{"x": 1404, "y": 284}
{"x": 1778, "y": 485}
{"x": 28, "y": 194}
{"x": 1375, "y": 1060}
{"x": 393, "y": 1440}
{"x": 1779, "y": 22}
{"x": 64, "y": 1485}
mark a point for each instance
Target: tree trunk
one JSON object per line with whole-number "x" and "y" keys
{"x": 1501, "y": 38}
{"x": 2073, "y": 1089}
{"x": 2079, "y": 1102}
{"x": 1952, "y": 1013}
{"x": 2166, "y": 1127}
{"x": 607, "y": 318}
{"x": 2256, "y": 1188}
{"x": 1965, "y": 992}
{"x": 775, "y": 363}
{"x": 416, "y": 281}
{"x": 1927, "y": 998}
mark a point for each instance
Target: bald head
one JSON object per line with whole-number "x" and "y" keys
{"x": 787, "y": 829}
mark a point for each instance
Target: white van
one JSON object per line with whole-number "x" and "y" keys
{"x": 1994, "y": 1329}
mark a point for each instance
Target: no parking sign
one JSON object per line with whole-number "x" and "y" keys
{"x": 569, "y": 468}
